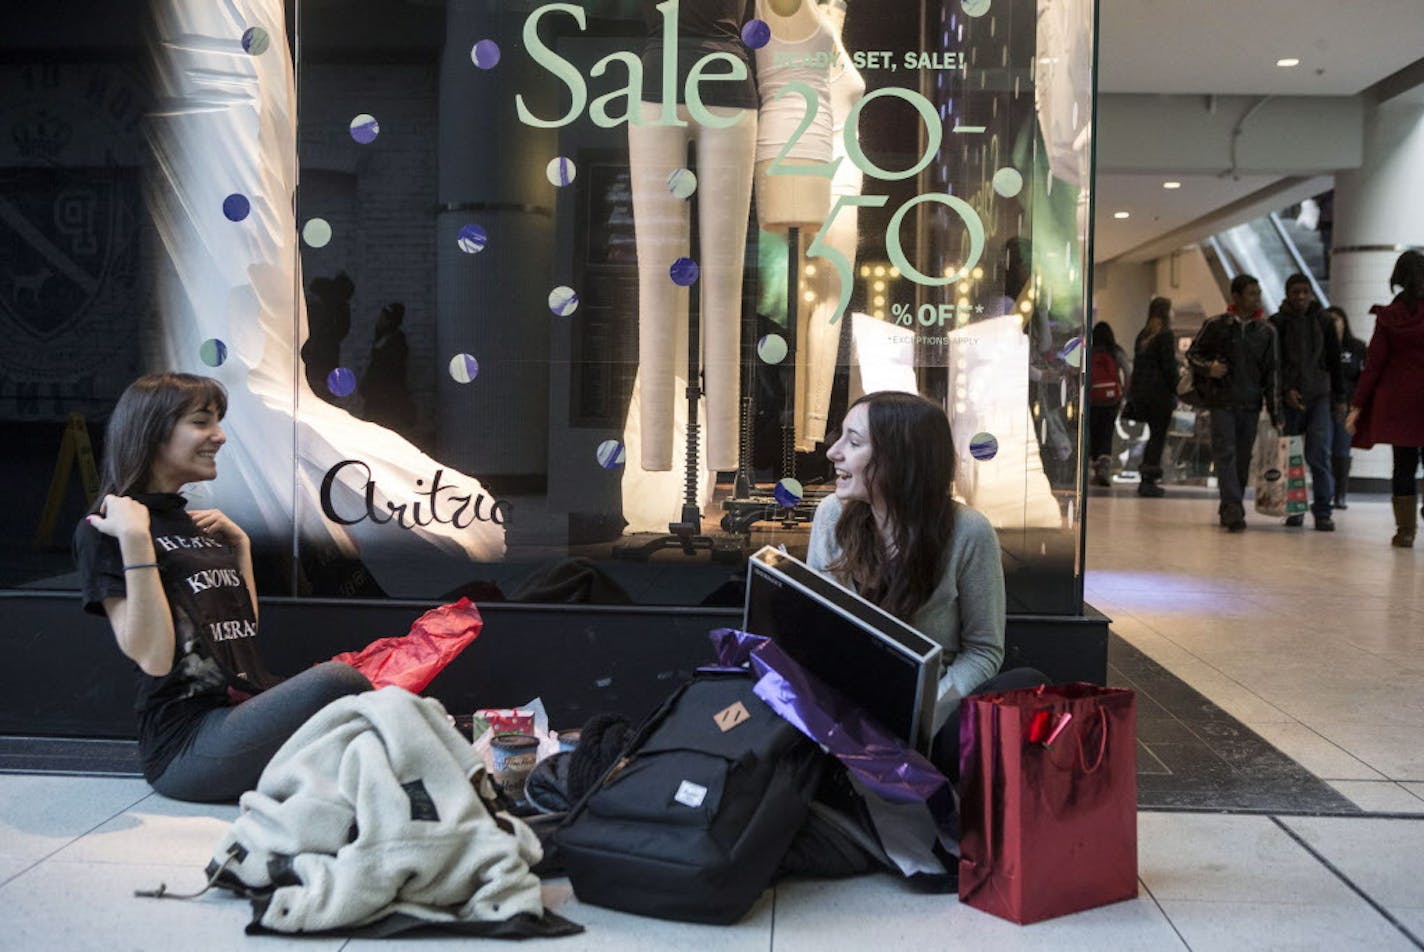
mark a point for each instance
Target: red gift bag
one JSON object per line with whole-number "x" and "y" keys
{"x": 412, "y": 660}
{"x": 1048, "y": 788}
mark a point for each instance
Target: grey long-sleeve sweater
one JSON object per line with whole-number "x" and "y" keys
{"x": 965, "y": 613}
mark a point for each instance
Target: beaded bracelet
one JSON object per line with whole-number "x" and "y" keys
{"x": 141, "y": 565}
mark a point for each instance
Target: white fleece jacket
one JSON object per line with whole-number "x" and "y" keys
{"x": 374, "y": 800}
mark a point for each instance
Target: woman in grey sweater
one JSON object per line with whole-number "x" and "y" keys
{"x": 893, "y": 533}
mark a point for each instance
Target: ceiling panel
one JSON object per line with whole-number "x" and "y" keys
{"x": 1206, "y": 46}
{"x": 1156, "y": 210}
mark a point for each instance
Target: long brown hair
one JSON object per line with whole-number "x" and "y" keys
{"x": 142, "y": 421}
{"x": 910, "y": 473}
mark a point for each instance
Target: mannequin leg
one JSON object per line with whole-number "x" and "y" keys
{"x": 724, "y": 194}
{"x": 661, "y": 226}
{"x": 819, "y": 346}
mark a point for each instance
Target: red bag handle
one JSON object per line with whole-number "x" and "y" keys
{"x": 1082, "y": 754}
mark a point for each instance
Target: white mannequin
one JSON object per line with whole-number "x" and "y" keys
{"x": 661, "y": 224}
{"x": 237, "y": 284}
{"x": 802, "y": 201}
{"x": 819, "y": 346}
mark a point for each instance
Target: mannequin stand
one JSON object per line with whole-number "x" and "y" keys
{"x": 750, "y": 505}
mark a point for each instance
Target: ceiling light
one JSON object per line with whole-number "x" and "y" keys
{"x": 1122, "y": 214}
{"x": 1170, "y": 185}
{"x": 1288, "y": 61}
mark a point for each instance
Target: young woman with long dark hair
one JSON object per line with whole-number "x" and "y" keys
{"x": 893, "y": 533}
{"x": 177, "y": 588}
{"x": 1388, "y": 406}
{"x": 1153, "y": 389}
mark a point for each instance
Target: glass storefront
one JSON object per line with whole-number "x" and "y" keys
{"x": 552, "y": 302}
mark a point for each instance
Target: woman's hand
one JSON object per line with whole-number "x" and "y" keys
{"x": 215, "y": 525}
{"x": 1351, "y": 419}
{"x": 121, "y": 517}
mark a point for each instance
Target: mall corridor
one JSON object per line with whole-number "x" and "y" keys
{"x": 1313, "y": 642}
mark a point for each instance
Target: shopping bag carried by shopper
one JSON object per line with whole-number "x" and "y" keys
{"x": 1278, "y": 473}
{"x": 1048, "y": 802}
{"x": 412, "y": 660}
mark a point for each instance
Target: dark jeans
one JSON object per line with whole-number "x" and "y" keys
{"x": 1339, "y": 439}
{"x": 232, "y": 745}
{"x": 944, "y": 753}
{"x": 1233, "y": 435}
{"x": 1102, "y": 420}
{"x": 1159, "y": 422}
{"x": 1315, "y": 422}
{"x": 1406, "y": 461}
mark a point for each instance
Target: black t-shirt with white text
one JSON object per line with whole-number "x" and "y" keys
{"x": 215, "y": 660}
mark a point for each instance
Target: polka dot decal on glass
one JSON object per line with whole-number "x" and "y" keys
{"x": 255, "y": 40}
{"x": 485, "y": 54}
{"x": 365, "y": 128}
{"x": 975, "y": 8}
{"x": 756, "y": 34}
{"x": 1072, "y": 352}
{"x": 561, "y": 171}
{"x": 563, "y": 301}
{"x": 983, "y": 447}
{"x": 1008, "y": 182}
{"x": 472, "y": 239}
{"x": 236, "y": 207}
{"x": 610, "y": 454}
{"x": 213, "y": 352}
{"x": 789, "y": 493}
{"x": 464, "y": 368}
{"x": 341, "y": 382}
{"x": 682, "y": 183}
{"x": 684, "y": 272}
{"x": 772, "y": 349}
{"x": 316, "y": 233}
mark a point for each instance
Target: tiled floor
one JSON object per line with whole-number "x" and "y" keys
{"x": 1313, "y": 641}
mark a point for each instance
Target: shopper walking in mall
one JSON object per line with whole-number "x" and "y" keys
{"x": 1352, "y": 361}
{"x": 893, "y": 532}
{"x": 1233, "y": 360}
{"x": 1312, "y": 395}
{"x": 1153, "y": 390}
{"x": 177, "y": 588}
{"x": 1389, "y": 402}
{"x": 1106, "y": 386}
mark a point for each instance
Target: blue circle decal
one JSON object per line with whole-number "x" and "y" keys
{"x": 485, "y": 54}
{"x": 756, "y": 34}
{"x": 365, "y": 128}
{"x": 341, "y": 382}
{"x": 236, "y": 207}
{"x": 983, "y": 447}
{"x": 684, "y": 272}
{"x": 464, "y": 368}
{"x": 789, "y": 493}
{"x": 610, "y": 454}
{"x": 472, "y": 239}
{"x": 213, "y": 352}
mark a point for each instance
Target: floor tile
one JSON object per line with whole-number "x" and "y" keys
{"x": 40, "y": 814}
{"x": 1246, "y": 927}
{"x": 1379, "y": 796}
{"x": 822, "y": 916}
{"x": 1385, "y": 858}
{"x": 91, "y": 908}
{"x": 606, "y": 929}
{"x": 155, "y": 831}
{"x": 1316, "y": 754}
{"x": 1222, "y": 858}
{"x": 1416, "y": 788}
{"x": 10, "y": 868}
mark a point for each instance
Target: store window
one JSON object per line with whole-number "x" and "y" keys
{"x": 453, "y": 262}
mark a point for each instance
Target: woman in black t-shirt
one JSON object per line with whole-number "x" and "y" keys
{"x": 177, "y": 588}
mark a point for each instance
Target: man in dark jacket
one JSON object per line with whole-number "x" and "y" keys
{"x": 1312, "y": 389}
{"x": 1233, "y": 360}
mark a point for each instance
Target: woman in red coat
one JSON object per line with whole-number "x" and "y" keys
{"x": 1389, "y": 400}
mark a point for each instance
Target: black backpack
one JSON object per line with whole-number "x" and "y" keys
{"x": 693, "y": 820}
